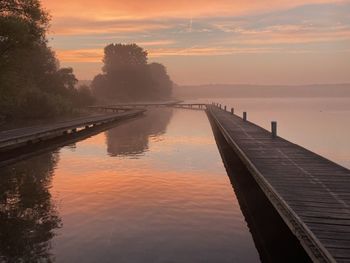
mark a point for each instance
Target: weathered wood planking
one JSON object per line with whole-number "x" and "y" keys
{"x": 311, "y": 193}
{"x": 17, "y": 137}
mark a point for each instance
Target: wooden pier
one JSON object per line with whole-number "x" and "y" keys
{"x": 199, "y": 106}
{"x": 122, "y": 106}
{"x": 311, "y": 193}
{"x": 23, "y": 136}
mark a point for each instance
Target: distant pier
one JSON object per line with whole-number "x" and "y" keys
{"x": 15, "y": 138}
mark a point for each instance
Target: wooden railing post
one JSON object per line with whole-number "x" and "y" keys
{"x": 274, "y": 129}
{"x": 225, "y": 107}
{"x": 232, "y": 111}
{"x": 244, "y": 116}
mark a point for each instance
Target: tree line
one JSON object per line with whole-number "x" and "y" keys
{"x": 32, "y": 84}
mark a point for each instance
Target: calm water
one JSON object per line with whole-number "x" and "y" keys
{"x": 319, "y": 124}
{"x": 152, "y": 189}
{"x": 149, "y": 190}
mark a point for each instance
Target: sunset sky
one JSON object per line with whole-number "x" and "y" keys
{"x": 206, "y": 41}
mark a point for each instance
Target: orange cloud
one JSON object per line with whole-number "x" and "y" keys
{"x": 88, "y": 27}
{"x": 246, "y": 42}
{"x": 140, "y": 9}
{"x": 156, "y": 43}
{"x": 80, "y": 55}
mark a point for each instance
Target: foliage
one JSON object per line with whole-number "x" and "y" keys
{"x": 127, "y": 76}
{"x": 31, "y": 82}
{"x": 118, "y": 57}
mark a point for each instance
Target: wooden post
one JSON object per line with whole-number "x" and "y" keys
{"x": 244, "y": 116}
{"x": 232, "y": 111}
{"x": 274, "y": 129}
{"x": 225, "y": 107}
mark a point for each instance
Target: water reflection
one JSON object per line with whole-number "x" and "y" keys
{"x": 174, "y": 203}
{"x": 132, "y": 138}
{"x": 28, "y": 217}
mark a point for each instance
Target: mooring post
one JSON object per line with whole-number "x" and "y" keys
{"x": 225, "y": 107}
{"x": 244, "y": 116}
{"x": 274, "y": 129}
{"x": 232, "y": 111}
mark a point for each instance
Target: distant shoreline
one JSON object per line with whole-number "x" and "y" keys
{"x": 262, "y": 91}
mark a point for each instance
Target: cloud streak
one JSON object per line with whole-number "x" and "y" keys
{"x": 141, "y": 9}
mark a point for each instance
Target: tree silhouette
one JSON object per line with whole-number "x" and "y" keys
{"x": 162, "y": 82}
{"x": 127, "y": 76}
{"x": 121, "y": 57}
{"x": 32, "y": 83}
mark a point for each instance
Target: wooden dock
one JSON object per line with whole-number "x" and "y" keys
{"x": 123, "y": 106}
{"x": 199, "y": 106}
{"x": 15, "y": 138}
{"x": 311, "y": 193}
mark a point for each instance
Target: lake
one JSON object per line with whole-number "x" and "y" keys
{"x": 153, "y": 189}
{"x": 148, "y": 190}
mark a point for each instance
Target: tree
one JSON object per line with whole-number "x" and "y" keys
{"x": 126, "y": 76}
{"x": 23, "y": 23}
{"x": 121, "y": 57}
{"x": 31, "y": 82}
{"x": 162, "y": 82}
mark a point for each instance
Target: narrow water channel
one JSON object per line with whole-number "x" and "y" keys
{"x": 152, "y": 189}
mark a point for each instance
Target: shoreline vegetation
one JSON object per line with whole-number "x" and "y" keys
{"x": 34, "y": 86}
{"x": 32, "y": 83}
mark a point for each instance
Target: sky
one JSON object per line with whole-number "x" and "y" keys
{"x": 208, "y": 42}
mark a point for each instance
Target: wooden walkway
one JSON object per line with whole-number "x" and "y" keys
{"x": 199, "y": 106}
{"x": 19, "y": 137}
{"x": 311, "y": 193}
{"x": 123, "y": 106}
